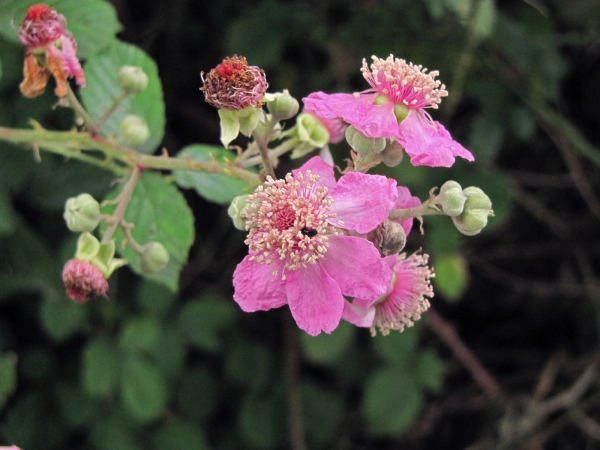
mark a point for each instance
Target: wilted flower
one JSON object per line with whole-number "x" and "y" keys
{"x": 406, "y": 298}
{"x": 83, "y": 280}
{"x": 298, "y": 253}
{"x": 394, "y": 107}
{"x": 234, "y": 85}
{"x": 51, "y": 50}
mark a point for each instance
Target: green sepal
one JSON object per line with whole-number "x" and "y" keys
{"x": 87, "y": 247}
{"x": 105, "y": 259}
{"x": 230, "y": 126}
{"x": 248, "y": 119}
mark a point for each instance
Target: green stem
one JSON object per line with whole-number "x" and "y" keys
{"x": 275, "y": 153}
{"x": 79, "y": 109}
{"x": 70, "y": 143}
{"x": 124, "y": 197}
{"x": 263, "y": 148}
{"x": 425, "y": 209}
{"x": 116, "y": 102}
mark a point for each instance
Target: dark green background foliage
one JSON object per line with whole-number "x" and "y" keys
{"x": 172, "y": 362}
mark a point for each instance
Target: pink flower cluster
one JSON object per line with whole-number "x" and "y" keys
{"x": 307, "y": 249}
{"x": 394, "y": 107}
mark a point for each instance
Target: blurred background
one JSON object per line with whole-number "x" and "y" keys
{"x": 506, "y": 358}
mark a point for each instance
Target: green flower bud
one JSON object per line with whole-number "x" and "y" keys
{"x": 132, "y": 79}
{"x": 82, "y": 213}
{"x": 154, "y": 257}
{"x": 392, "y": 154}
{"x": 283, "y": 106}
{"x": 235, "y": 211}
{"x": 451, "y": 198}
{"x": 134, "y": 130}
{"x": 478, "y": 207}
{"x": 362, "y": 144}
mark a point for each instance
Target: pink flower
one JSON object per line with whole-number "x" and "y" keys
{"x": 394, "y": 107}
{"x": 405, "y": 200}
{"x": 404, "y": 302}
{"x": 51, "y": 50}
{"x": 336, "y": 126}
{"x": 83, "y": 280}
{"x": 298, "y": 253}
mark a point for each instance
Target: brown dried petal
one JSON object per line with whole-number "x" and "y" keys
{"x": 35, "y": 78}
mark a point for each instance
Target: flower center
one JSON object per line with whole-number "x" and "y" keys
{"x": 288, "y": 220}
{"x": 404, "y": 83}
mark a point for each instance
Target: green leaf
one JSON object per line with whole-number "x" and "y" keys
{"x": 102, "y": 85}
{"x": 61, "y": 318}
{"x": 258, "y": 417}
{"x": 140, "y": 333}
{"x": 179, "y": 435}
{"x": 8, "y": 217}
{"x": 321, "y": 410}
{"x": 170, "y": 354}
{"x": 451, "y": 275}
{"x": 155, "y": 298}
{"x": 431, "y": 370}
{"x": 328, "y": 348}
{"x": 392, "y": 401}
{"x": 116, "y": 433}
{"x": 249, "y": 363}
{"x": 397, "y": 348}
{"x": 197, "y": 395}
{"x": 485, "y": 17}
{"x": 214, "y": 187}
{"x": 203, "y": 321}
{"x": 100, "y": 367}
{"x": 8, "y": 377}
{"x": 93, "y": 23}
{"x": 153, "y": 208}
{"x": 230, "y": 126}
{"x": 143, "y": 388}
{"x": 76, "y": 407}
{"x": 486, "y": 137}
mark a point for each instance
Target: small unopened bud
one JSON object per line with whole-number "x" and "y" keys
{"x": 134, "y": 130}
{"x": 83, "y": 280}
{"x": 474, "y": 217}
{"x": 392, "y": 154}
{"x": 451, "y": 198}
{"x": 389, "y": 238}
{"x": 362, "y": 144}
{"x": 235, "y": 211}
{"x": 154, "y": 257}
{"x": 132, "y": 79}
{"x": 82, "y": 213}
{"x": 283, "y": 106}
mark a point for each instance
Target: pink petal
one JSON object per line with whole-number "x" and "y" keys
{"x": 319, "y": 167}
{"x": 70, "y": 61}
{"x": 315, "y": 299}
{"x": 356, "y": 109}
{"x": 428, "y": 143}
{"x": 357, "y": 315}
{"x": 362, "y": 201}
{"x": 405, "y": 200}
{"x": 256, "y": 288}
{"x": 355, "y": 264}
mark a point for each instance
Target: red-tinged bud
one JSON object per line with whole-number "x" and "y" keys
{"x": 234, "y": 85}
{"x": 83, "y": 280}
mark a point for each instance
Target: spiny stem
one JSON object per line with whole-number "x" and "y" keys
{"x": 125, "y": 196}
{"x": 263, "y": 148}
{"x": 79, "y": 109}
{"x": 425, "y": 209}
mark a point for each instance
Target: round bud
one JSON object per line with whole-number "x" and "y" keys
{"x": 478, "y": 207}
{"x": 451, "y": 198}
{"x": 362, "y": 144}
{"x": 132, "y": 79}
{"x": 235, "y": 211}
{"x": 134, "y": 130}
{"x": 154, "y": 257}
{"x": 389, "y": 238}
{"x": 82, "y": 213}
{"x": 392, "y": 154}
{"x": 283, "y": 106}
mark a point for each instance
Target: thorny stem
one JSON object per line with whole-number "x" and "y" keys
{"x": 124, "y": 197}
{"x": 294, "y": 402}
{"x": 275, "y": 153}
{"x": 72, "y": 143}
{"x": 116, "y": 102}
{"x": 425, "y": 209}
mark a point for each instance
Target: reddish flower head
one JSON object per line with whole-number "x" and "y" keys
{"x": 234, "y": 85}
{"x": 51, "y": 50}
{"x": 406, "y": 298}
{"x": 83, "y": 280}
{"x": 298, "y": 253}
{"x": 394, "y": 108}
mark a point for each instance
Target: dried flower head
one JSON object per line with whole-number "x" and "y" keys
{"x": 234, "y": 85}
{"x": 83, "y": 280}
{"x": 51, "y": 50}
